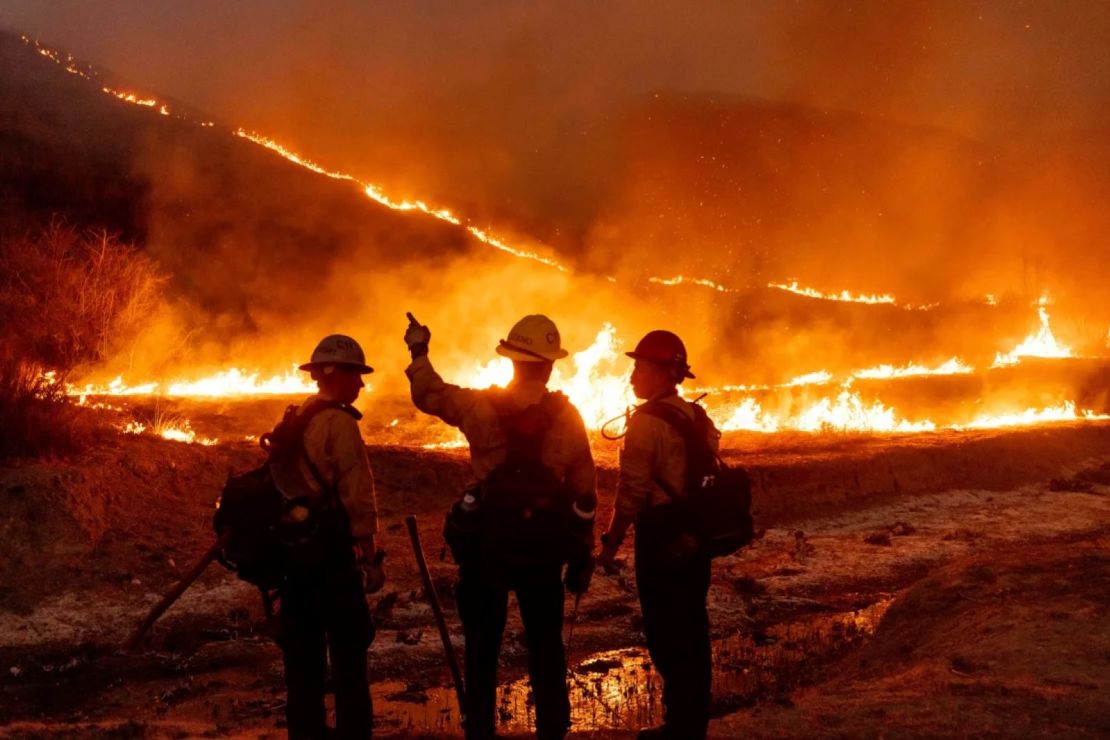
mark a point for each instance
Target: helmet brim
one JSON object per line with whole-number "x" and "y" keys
{"x": 685, "y": 370}
{"x": 519, "y": 354}
{"x": 310, "y": 366}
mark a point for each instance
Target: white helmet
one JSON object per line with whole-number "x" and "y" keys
{"x": 338, "y": 349}
{"x": 534, "y": 338}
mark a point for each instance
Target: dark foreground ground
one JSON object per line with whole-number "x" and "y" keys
{"x": 931, "y": 585}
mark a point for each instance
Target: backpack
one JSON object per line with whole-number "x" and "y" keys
{"x": 268, "y": 535}
{"x": 523, "y": 509}
{"x": 716, "y": 499}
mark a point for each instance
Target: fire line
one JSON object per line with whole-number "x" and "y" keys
{"x": 597, "y": 386}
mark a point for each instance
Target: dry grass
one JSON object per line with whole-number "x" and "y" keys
{"x": 67, "y": 300}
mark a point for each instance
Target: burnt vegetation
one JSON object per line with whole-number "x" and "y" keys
{"x": 67, "y": 299}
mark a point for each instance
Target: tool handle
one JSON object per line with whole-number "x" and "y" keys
{"x": 437, "y": 611}
{"x": 175, "y": 593}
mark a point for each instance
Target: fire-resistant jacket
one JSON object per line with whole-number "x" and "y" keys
{"x": 334, "y": 444}
{"x": 653, "y": 450}
{"x": 566, "y": 449}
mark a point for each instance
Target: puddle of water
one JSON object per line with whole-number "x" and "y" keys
{"x": 431, "y": 710}
{"x": 619, "y": 689}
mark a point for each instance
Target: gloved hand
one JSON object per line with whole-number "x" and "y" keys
{"x": 373, "y": 574}
{"x": 579, "y": 574}
{"x": 417, "y": 337}
{"x": 370, "y": 564}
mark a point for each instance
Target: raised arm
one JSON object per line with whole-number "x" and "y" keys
{"x": 430, "y": 393}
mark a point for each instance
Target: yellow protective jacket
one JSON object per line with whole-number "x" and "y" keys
{"x": 653, "y": 450}
{"x": 334, "y": 444}
{"x": 566, "y": 449}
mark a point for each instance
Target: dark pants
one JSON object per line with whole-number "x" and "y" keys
{"x": 483, "y": 598}
{"x": 322, "y": 613}
{"x": 673, "y": 588}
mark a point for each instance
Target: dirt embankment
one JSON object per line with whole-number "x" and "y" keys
{"x": 137, "y": 513}
{"x": 803, "y": 476}
{"x": 1013, "y": 643}
{"x": 141, "y": 509}
{"x": 89, "y": 543}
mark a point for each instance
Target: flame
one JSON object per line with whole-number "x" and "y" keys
{"x": 682, "y": 279}
{"x": 290, "y": 155}
{"x": 174, "y": 430}
{"x": 597, "y": 384}
{"x": 132, "y": 98}
{"x": 849, "y": 413}
{"x": 843, "y": 296}
{"x": 451, "y": 444}
{"x": 1065, "y": 411}
{"x": 596, "y": 388}
{"x": 68, "y": 64}
{"x": 846, "y": 412}
{"x": 1041, "y": 343}
{"x": 953, "y": 366}
{"x": 233, "y": 382}
{"x": 747, "y": 415}
{"x": 376, "y": 194}
{"x": 817, "y": 378}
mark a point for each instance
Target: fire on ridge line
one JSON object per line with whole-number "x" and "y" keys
{"x": 375, "y": 193}
{"x": 598, "y": 395}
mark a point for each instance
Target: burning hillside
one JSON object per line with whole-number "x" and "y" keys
{"x": 811, "y": 382}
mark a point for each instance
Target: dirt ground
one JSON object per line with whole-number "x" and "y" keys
{"x": 937, "y": 584}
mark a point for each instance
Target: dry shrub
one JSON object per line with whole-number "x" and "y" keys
{"x": 67, "y": 300}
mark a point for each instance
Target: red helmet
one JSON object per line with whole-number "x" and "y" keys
{"x": 665, "y": 348}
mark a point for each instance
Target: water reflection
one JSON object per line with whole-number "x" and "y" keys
{"x": 619, "y": 689}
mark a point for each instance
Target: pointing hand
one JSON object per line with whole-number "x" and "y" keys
{"x": 417, "y": 337}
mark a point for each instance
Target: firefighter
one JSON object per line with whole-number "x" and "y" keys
{"x": 528, "y": 448}
{"x": 672, "y": 565}
{"x": 323, "y": 601}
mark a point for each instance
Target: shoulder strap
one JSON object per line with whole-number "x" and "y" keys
{"x": 303, "y": 419}
{"x": 690, "y": 430}
{"x": 679, "y": 421}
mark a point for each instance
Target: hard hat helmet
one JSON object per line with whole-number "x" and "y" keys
{"x": 338, "y": 349}
{"x": 534, "y": 338}
{"x": 665, "y": 348}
